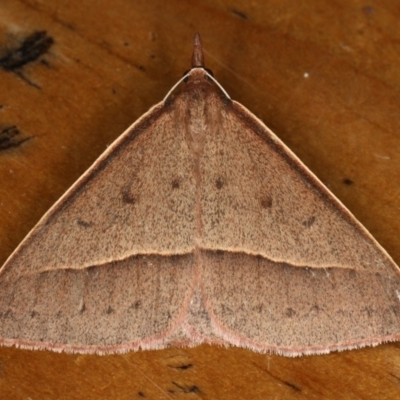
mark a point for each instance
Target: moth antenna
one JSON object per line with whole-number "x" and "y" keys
{"x": 197, "y": 57}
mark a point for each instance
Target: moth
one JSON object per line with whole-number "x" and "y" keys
{"x": 198, "y": 225}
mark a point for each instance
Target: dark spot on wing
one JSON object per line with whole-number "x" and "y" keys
{"x": 32, "y": 47}
{"x": 219, "y": 183}
{"x": 34, "y": 314}
{"x": 347, "y": 181}
{"x": 127, "y": 196}
{"x": 259, "y": 308}
{"x": 110, "y": 310}
{"x": 266, "y": 202}
{"x": 290, "y": 312}
{"x": 10, "y": 136}
{"x": 175, "y": 184}
{"x": 219, "y": 253}
{"x": 83, "y": 223}
{"x": 136, "y": 305}
{"x": 309, "y": 222}
{"x": 141, "y": 394}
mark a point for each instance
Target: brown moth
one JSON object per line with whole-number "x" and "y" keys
{"x": 198, "y": 225}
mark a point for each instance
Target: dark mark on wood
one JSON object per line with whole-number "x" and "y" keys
{"x": 10, "y": 136}
{"x": 182, "y": 366}
{"x": 292, "y": 385}
{"x": 368, "y": 10}
{"x": 45, "y": 63}
{"x": 394, "y": 376}
{"x": 277, "y": 378}
{"x": 185, "y": 389}
{"x": 347, "y": 181}
{"x": 239, "y": 14}
{"x": 34, "y": 46}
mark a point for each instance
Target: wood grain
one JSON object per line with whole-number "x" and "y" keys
{"x": 324, "y": 77}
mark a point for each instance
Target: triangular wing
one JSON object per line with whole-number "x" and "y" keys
{"x": 108, "y": 268}
{"x": 285, "y": 266}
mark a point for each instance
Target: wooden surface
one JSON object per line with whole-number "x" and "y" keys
{"x": 325, "y": 76}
